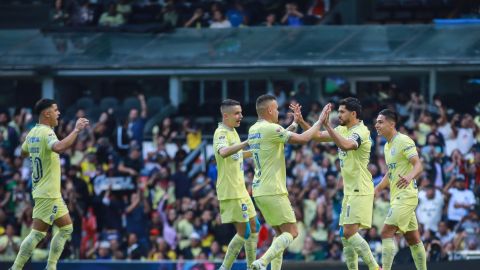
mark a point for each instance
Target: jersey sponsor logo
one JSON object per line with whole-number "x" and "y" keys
{"x": 408, "y": 148}
{"x": 392, "y": 166}
{"x": 255, "y": 146}
{"x": 34, "y": 140}
{"x": 236, "y": 156}
{"x": 254, "y": 136}
{"x": 221, "y": 137}
{"x": 393, "y": 151}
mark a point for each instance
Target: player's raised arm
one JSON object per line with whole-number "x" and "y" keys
{"x": 306, "y": 136}
{"x": 61, "y": 146}
{"x": 343, "y": 143}
{"x": 319, "y": 136}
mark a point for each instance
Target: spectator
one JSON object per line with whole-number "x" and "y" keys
{"x": 292, "y": 17}
{"x": 318, "y": 8}
{"x": 237, "y": 15}
{"x": 136, "y": 124}
{"x": 465, "y": 133}
{"x": 444, "y": 234}
{"x": 9, "y": 244}
{"x": 84, "y": 15}
{"x": 219, "y": 20}
{"x": 270, "y": 20}
{"x": 461, "y": 200}
{"x": 429, "y": 210}
{"x": 169, "y": 15}
{"x": 111, "y": 18}
{"x": 8, "y": 134}
{"x": 469, "y": 229}
{"x": 197, "y": 20}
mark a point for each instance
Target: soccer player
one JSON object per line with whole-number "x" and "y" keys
{"x": 43, "y": 148}
{"x": 236, "y": 206}
{"x": 266, "y": 139}
{"x": 352, "y": 138}
{"x": 404, "y": 166}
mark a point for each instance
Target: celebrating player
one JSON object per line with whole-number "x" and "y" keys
{"x": 404, "y": 166}
{"x": 266, "y": 139}
{"x": 43, "y": 148}
{"x": 236, "y": 206}
{"x": 352, "y": 138}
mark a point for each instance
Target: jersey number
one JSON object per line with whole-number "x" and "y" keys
{"x": 257, "y": 161}
{"x": 37, "y": 169}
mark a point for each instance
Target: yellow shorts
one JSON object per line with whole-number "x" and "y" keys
{"x": 357, "y": 209}
{"x": 276, "y": 209}
{"x": 49, "y": 210}
{"x": 237, "y": 210}
{"x": 402, "y": 216}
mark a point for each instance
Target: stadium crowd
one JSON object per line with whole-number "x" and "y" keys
{"x": 197, "y": 14}
{"x": 128, "y": 201}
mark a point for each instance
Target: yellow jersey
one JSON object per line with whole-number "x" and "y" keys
{"x": 357, "y": 179}
{"x": 45, "y": 163}
{"x": 230, "y": 180}
{"x": 397, "y": 156}
{"x": 266, "y": 142}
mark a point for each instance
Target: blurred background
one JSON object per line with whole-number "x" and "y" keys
{"x": 150, "y": 75}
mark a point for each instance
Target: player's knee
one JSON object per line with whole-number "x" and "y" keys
{"x": 66, "y": 231}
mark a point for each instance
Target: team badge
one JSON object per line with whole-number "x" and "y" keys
{"x": 393, "y": 151}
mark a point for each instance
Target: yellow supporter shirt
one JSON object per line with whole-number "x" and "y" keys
{"x": 45, "y": 163}
{"x": 230, "y": 181}
{"x": 357, "y": 180}
{"x": 266, "y": 142}
{"x": 397, "y": 155}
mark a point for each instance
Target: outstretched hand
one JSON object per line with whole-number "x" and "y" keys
{"x": 324, "y": 117}
{"x": 296, "y": 112}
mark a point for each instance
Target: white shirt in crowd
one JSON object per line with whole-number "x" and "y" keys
{"x": 465, "y": 140}
{"x": 224, "y": 24}
{"x": 429, "y": 211}
{"x": 459, "y": 196}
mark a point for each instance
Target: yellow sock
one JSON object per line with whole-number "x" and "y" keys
{"x": 56, "y": 246}
{"x": 251, "y": 249}
{"x": 388, "y": 253}
{"x": 277, "y": 247}
{"x": 362, "y": 248}
{"x": 351, "y": 257}
{"x": 419, "y": 256}
{"x": 233, "y": 249}
{"x": 27, "y": 247}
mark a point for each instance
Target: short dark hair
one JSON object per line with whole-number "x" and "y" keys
{"x": 264, "y": 98}
{"x": 352, "y": 104}
{"x": 228, "y": 103}
{"x": 43, "y": 104}
{"x": 389, "y": 114}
